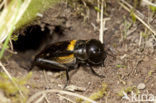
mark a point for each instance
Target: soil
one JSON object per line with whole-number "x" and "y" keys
{"x": 132, "y": 63}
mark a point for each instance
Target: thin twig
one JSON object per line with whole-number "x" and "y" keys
{"x": 14, "y": 18}
{"x": 149, "y": 3}
{"x": 84, "y": 3}
{"x": 98, "y": 14}
{"x": 46, "y": 99}
{"x": 11, "y": 45}
{"x": 46, "y": 79}
{"x": 10, "y": 51}
{"x": 10, "y": 77}
{"x": 94, "y": 26}
{"x": 2, "y": 4}
{"x": 7, "y": 3}
{"x": 143, "y": 22}
{"x": 101, "y": 24}
{"x": 33, "y": 97}
{"x": 41, "y": 98}
{"x": 140, "y": 39}
{"x": 104, "y": 23}
{"x": 66, "y": 98}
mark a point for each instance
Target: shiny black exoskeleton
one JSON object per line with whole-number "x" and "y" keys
{"x": 67, "y": 55}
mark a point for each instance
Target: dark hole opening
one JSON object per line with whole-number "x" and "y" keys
{"x": 59, "y": 30}
{"x": 32, "y": 39}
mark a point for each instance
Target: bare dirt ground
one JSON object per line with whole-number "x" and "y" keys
{"x": 135, "y": 57}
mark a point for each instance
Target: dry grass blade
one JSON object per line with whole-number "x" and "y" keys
{"x": 47, "y": 99}
{"x": 41, "y": 98}
{"x": 129, "y": 10}
{"x": 98, "y": 14}
{"x": 149, "y": 3}
{"x": 10, "y": 77}
{"x": 33, "y": 97}
{"x": 2, "y": 4}
{"x": 63, "y": 97}
{"x": 10, "y": 16}
{"x": 101, "y": 24}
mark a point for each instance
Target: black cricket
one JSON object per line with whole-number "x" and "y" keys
{"x": 67, "y": 55}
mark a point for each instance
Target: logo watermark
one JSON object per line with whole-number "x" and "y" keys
{"x": 142, "y": 97}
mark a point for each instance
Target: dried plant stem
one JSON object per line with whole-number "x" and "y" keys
{"x": 129, "y": 10}
{"x": 101, "y": 23}
{"x": 140, "y": 39}
{"x": 10, "y": 16}
{"x": 149, "y": 3}
{"x": 36, "y": 95}
{"x": 2, "y": 4}
{"x": 46, "y": 79}
{"x": 66, "y": 98}
{"x": 10, "y": 77}
{"x": 11, "y": 45}
{"x": 47, "y": 99}
{"x": 41, "y": 98}
{"x": 18, "y": 11}
{"x": 98, "y": 14}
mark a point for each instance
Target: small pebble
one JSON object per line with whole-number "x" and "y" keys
{"x": 49, "y": 73}
{"x": 141, "y": 86}
{"x": 39, "y": 15}
{"x": 28, "y": 86}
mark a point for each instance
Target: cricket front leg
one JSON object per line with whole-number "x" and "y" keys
{"x": 101, "y": 76}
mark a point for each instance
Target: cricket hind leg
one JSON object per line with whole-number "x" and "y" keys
{"x": 75, "y": 66}
{"x": 51, "y": 64}
{"x": 67, "y": 77}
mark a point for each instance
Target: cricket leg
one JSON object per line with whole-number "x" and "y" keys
{"x": 101, "y": 76}
{"x": 67, "y": 77}
{"x": 50, "y": 63}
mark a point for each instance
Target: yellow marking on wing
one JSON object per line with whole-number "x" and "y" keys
{"x": 66, "y": 59}
{"x": 71, "y": 45}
